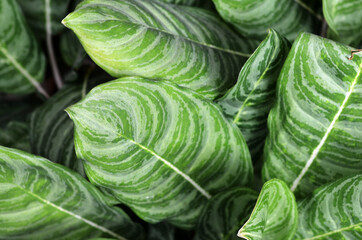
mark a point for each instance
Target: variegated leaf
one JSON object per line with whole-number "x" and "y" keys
{"x": 183, "y": 2}
{"x": 16, "y": 135}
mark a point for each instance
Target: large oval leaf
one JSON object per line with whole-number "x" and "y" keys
{"x": 333, "y": 211}
{"x": 224, "y": 214}
{"x": 161, "y": 149}
{"x": 44, "y": 200}
{"x": 248, "y": 103}
{"x": 189, "y": 46}
{"x": 316, "y": 125}
{"x": 344, "y": 17}
{"x": 22, "y": 64}
{"x": 275, "y": 214}
{"x": 253, "y": 18}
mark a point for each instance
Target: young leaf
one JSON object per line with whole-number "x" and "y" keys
{"x": 22, "y": 63}
{"x": 316, "y": 125}
{"x": 44, "y": 200}
{"x": 189, "y": 46}
{"x": 16, "y": 135}
{"x": 224, "y": 214}
{"x": 333, "y": 211}
{"x": 344, "y": 18}
{"x": 161, "y": 149}
{"x": 275, "y": 214}
{"x": 248, "y": 103}
{"x": 253, "y": 18}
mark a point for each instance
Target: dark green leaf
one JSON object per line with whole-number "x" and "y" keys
{"x": 16, "y": 135}
{"x": 71, "y": 49}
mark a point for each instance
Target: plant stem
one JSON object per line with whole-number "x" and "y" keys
{"x": 306, "y": 7}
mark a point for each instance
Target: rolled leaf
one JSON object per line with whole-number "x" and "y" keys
{"x": 275, "y": 214}
{"x": 333, "y": 211}
{"x": 22, "y": 63}
{"x": 189, "y": 46}
{"x": 253, "y": 18}
{"x": 316, "y": 125}
{"x": 16, "y": 135}
{"x": 224, "y": 214}
{"x": 248, "y": 103}
{"x": 44, "y": 200}
{"x": 160, "y": 149}
{"x": 344, "y": 18}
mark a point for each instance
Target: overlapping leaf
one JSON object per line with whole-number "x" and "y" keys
{"x": 189, "y": 46}
{"x": 316, "y": 125}
{"x": 44, "y": 200}
{"x": 183, "y": 2}
{"x": 161, "y": 149}
{"x": 22, "y": 64}
{"x": 16, "y": 135}
{"x": 253, "y": 18}
{"x": 248, "y": 103}
{"x": 161, "y": 231}
{"x": 224, "y": 214}
{"x": 71, "y": 49}
{"x": 274, "y": 216}
{"x": 344, "y": 18}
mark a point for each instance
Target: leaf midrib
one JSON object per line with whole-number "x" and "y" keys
{"x": 335, "y": 231}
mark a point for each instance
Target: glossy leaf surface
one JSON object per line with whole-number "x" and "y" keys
{"x": 22, "y": 64}
{"x": 274, "y": 216}
{"x": 253, "y": 18}
{"x": 316, "y": 125}
{"x": 189, "y": 46}
{"x": 161, "y": 149}
{"x": 248, "y": 103}
{"x": 224, "y": 214}
{"x": 333, "y": 211}
{"x": 344, "y": 18}
{"x": 44, "y": 200}
{"x": 16, "y": 135}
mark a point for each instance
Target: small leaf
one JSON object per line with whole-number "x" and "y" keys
{"x": 44, "y": 200}
{"x": 333, "y": 211}
{"x": 224, "y": 214}
{"x": 189, "y": 46}
{"x": 22, "y": 64}
{"x": 248, "y": 103}
{"x": 274, "y": 216}
{"x": 161, "y": 149}
{"x": 16, "y": 135}
{"x": 316, "y": 125}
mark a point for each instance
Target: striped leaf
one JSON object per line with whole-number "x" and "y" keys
{"x": 22, "y": 63}
{"x": 344, "y": 18}
{"x": 15, "y": 135}
{"x": 161, "y": 149}
{"x": 275, "y": 214}
{"x": 183, "y": 2}
{"x": 44, "y": 200}
{"x": 253, "y": 18}
{"x": 161, "y": 231}
{"x": 45, "y": 16}
{"x": 250, "y": 100}
{"x": 224, "y": 214}
{"x": 333, "y": 211}
{"x": 316, "y": 125}
{"x": 189, "y": 46}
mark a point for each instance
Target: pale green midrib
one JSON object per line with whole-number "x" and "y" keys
{"x": 335, "y": 231}
{"x": 92, "y": 224}
{"x": 174, "y": 35}
{"x": 328, "y": 131}
{"x": 24, "y": 72}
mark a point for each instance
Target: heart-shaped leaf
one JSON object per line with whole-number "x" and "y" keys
{"x": 248, "y": 103}
{"x": 189, "y": 46}
{"x": 316, "y": 125}
{"x": 161, "y": 149}
{"x": 44, "y": 200}
{"x": 22, "y": 63}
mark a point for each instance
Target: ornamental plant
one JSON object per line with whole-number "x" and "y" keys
{"x": 180, "y": 119}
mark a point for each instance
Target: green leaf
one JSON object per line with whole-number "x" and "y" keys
{"x": 253, "y": 18}
{"x": 333, "y": 211}
{"x": 16, "y": 135}
{"x": 189, "y": 46}
{"x": 344, "y": 18}
{"x": 275, "y": 214}
{"x": 44, "y": 200}
{"x": 248, "y": 103}
{"x": 224, "y": 214}
{"x": 161, "y": 231}
{"x": 316, "y": 125}
{"x": 72, "y": 51}
{"x": 161, "y": 149}
{"x": 22, "y": 63}
{"x": 183, "y": 2}
{"x": 45, "y": 16}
